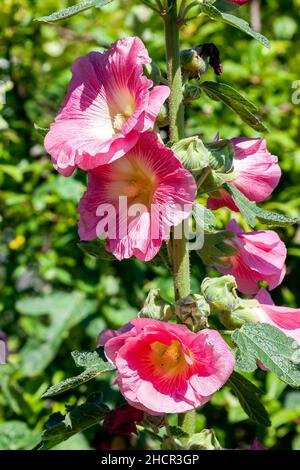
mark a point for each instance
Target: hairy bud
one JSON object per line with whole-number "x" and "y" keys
{"x": 193, "y": 311}
{"x": 220, "y": 293}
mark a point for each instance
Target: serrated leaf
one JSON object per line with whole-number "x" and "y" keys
{"x": 73, "y": 10}
{"x": 94, "y": 365}
{"x": 265, "y": 343}
{"x": 96, "y": 249}
{"x": 78, "y": 418}
{"x": 204, "y": 218}
{"x": 249, "y": 397}
{"x": 251, "y": 211}
{"x": 235, "y": 101}
{"x": 218, "y": 15}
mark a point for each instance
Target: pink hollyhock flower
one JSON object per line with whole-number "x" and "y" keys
{"x": 165, "y": 368}
{"x": 258, "y": 173}
{"x": 157, "y": 190}
{"x": 108, "y": 104}
{"x": 284, "y": 318}
{"x": 239, "y": 2}
{"x": 260, "y": 257}
{"x": 122, "y": 421}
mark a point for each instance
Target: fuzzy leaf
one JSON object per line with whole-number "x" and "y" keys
{"x": 94, "y": 365}
{"x": 249, "y": 398}
{"x": 263, "y": 342}
{"x": 204, "y": 218}
{"x": 235, "y": 101}
{"x": 251, "y": 211}
{"x": 73, "y": 10}
{"x": 78, "y": 418}
{"x": 218, "y": 15}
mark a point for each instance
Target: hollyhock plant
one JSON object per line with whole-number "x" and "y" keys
{"x": 284, "y": 318}
{"x": 159, "y": 193}
{"x": 165, "y": 368}
{"x": 260, "y": 257}
{"x": 257, "y": 173}
{"x": 108, "y": 104}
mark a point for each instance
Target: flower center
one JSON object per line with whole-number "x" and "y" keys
{"x": 125, "y": 110}
{"x": 169, "y": 359}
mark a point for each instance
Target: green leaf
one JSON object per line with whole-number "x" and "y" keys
{"x": 204, "y": 218}
{"x": 96, "y": 249}
{"x": 73, "y": 10}
{"x": 78, "y": 418}
{"x": 221, "y": 155}
{"x": 16, "y": 435}
{"x": 215, "y": 14}
{"x": 263, "y": 342}
{"x": 94, "y": 366}
{"x": 235, "y": 101}
{"x": 251, "y": 211}
{"x": 215, "y": 247}
{"x": 249, "y": 397}
{"x": 64, "y": 310}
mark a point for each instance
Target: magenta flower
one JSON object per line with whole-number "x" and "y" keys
{"x": 284, "y": 318}
{"x": 260, "y": 257}
{"x": 135, "y": 200}
{"x": 108, "y": 104}
{"x": 258, "y": 173}
{"x": 122, "y": 421}
{"x": 165, "y": 368}
{"x": 239, "y": 2}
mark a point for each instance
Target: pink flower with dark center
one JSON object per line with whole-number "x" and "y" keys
{"x": 284, "y": 318}
{"x": 155, "y": 187}
{"x": 260, "y": 257}
{"x": 165, "y": 368}
{"x": 108, "y": 104}
{"x": 258, "y": 174}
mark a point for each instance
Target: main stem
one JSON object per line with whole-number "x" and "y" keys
{"x": 180, "y": 253}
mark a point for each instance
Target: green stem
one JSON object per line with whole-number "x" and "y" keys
{"x": 180, "y": 253}
{"x": 181, "y": 267}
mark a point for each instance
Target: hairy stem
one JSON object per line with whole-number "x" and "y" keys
{"x": 180, "y": 254}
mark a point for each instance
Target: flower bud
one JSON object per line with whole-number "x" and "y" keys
{"x": 162, "y": 119}
{"x": 220, "y": 293}
{"x": 156, "y": 307}
{"x": 193, "y": 311}
{"x": 190, "y": 94}
{"x": 244, "y": 313}
{"x": 192, "y": 63}
{"x": 152, "y": 72}
{"x": 204, "y": 440}
{"x": 192, "y": 153}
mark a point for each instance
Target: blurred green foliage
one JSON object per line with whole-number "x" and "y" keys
{"x": 54, "y": 298}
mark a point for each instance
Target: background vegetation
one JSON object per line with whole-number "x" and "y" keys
{"x": 54, "y": 298}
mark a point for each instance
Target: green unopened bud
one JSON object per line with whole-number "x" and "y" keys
{"x": 193, "y": 311}
{"x": 191, "y": 93}
{"x": 244, "y": 313}
{"x": 162, "y": 119}
{"x": 204, "y": 440}
{"x": 192, "y": 153}
{"x": 220, "y": 293}
{"x": 152, "y": 72}
{"x": 192, "y": 64}
{"x": 156, "y": 307}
